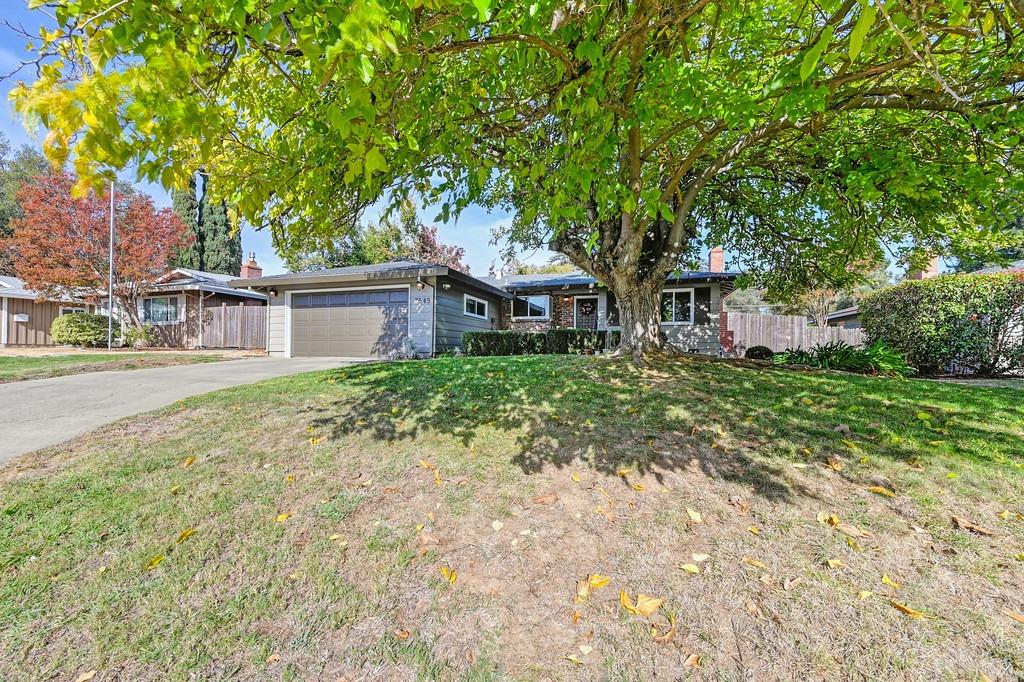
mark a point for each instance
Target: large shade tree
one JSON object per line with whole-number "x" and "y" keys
{"x": 804, "y": 135}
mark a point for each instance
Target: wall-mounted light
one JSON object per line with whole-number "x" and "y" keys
{"x": 272, "y": 293}
{"x": 420, "y": 284}
{"x": 567, "y": 298}
{"x": 446, "y": 286}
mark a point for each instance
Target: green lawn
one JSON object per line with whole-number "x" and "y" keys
{"x": 303, "y": 528}
{"x": 22, "y": 367}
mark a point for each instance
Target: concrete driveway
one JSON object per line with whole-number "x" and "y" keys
{"x": 36, "y": 414}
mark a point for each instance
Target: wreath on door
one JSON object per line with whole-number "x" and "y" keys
{"x": 587, "y": 307}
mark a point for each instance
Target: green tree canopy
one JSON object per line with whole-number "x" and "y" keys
{"x": 803, "y": 135}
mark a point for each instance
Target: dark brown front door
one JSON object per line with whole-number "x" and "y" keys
{"x": 586, "y": 312}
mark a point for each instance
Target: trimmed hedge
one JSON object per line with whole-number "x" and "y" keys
{"x": 973, "y": 322}
{"x": 81, "y": 329}
{"x": 759, "y": 353}
{"x": 553, "y": 341}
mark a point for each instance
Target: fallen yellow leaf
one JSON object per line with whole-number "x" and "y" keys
{"x": 694, "y": 515}
{"x": 834, "y": 463}
{"x": 835, "y": 563}
{"x": 185, "y": 535}
{"x": 86, "y": 676}
{"x": 449, "y": 574}
{"x": 575, "y": 477}
{"x": 639, "y": 487}
{"x": 754, "y": 529}
{"x": 879, "y": 490}
{"x": 189, "y": 461}
{"x": 155, "y": 561}
{"x": 753, "y": 562}
{"x": 437, "y": 477}
{"x": 806, "y": 401}
{"x": 864, "y": 594}
{"x": 426, "y": 464}
{"x": 281, "y": 518}
{"x": 828, "y": 519}
{"x": 597, "y": 581}
{"x": 645, "y": 605}
{"x": 623, "y": 472}
{"x": 886, "y": 580}
{"x": 692, "y": 661}
{"x": 401, "y": 634}
{"x": 690, "y": 568}
{"x": 903, "y": 608}
{"x": 1013, "y": 614}
{"x": 572, "y": 659}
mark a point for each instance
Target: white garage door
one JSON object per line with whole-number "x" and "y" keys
{"x": 349, "y": 323}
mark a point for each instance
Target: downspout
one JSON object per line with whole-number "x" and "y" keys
{"x": 3, "y": 324}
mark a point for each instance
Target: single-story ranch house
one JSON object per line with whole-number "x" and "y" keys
{"x": 174, "y": 306}
{"x": 24, "y": 319}
{"x": 377, "y": 310}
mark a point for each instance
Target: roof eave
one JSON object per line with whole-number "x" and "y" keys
{"x": 314, "y": 278}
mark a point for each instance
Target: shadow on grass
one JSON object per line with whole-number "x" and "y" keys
{"x": 731, "y": 422}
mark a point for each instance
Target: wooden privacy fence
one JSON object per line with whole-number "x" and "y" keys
{"x": 235, "y": 326}
{"x": 780, "y": 332}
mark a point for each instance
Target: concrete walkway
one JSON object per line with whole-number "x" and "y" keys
{"x": 36, "y": 414}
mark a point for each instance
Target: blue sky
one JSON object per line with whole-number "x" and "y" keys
{"x": 472, "y": 231}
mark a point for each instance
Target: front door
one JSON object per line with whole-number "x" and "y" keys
{"x": 585, "y": 308}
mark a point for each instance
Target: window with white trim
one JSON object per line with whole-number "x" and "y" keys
{"x": 531, "y": 307}
{"x": 677, "y": 306}
{"x": 160, "y": 309}
{"x": 68, "y": 310}
{"x": 474, "y": 307}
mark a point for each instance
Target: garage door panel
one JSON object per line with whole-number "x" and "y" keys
{"x": 357, "y": 323}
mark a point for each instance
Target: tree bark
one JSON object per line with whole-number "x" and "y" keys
{"x": 639, "y": 304}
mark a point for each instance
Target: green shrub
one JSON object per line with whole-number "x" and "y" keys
{"x": 504, "y": 342}
{"x": 877, "y": 358}
{"x": 759, "y": 353}
{"x": 973, "y": 322}
{"x": 137, "y": 337}
{"x": 81, "y": 329}
{"x": 563, "y": 341}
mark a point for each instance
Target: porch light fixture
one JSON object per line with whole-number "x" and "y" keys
{"x": 420, "y": 284}
{"x": 272, "y": 293}
{"x": 446, "y": 286}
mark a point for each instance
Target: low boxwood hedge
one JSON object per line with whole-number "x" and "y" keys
{"x": 553, "y": 341}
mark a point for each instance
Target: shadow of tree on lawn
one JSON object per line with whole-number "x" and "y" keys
{"x": 726, "y": 420}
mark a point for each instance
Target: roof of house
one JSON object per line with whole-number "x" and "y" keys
{"x": 852, "y": 311}
{"x": 15, "y": 288}
{"x": 210, "y": 282}
{"x": 396, "y": 269}
{"x": 569, "y": 280}
{"x": 1009, "y": 267}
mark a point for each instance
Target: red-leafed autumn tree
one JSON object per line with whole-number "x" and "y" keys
{"x": 61, "y": 243}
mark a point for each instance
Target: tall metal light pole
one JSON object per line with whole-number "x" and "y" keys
{"x": 110, "y": 275}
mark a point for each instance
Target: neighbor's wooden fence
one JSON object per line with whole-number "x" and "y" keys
{"x": 235, "y": 326}
{"x": 780, "y": 332}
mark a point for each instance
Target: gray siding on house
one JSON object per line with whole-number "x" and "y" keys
{"x": 451, "y": 320}
{"x": 703, "y": 338}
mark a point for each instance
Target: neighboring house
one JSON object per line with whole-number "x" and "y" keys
{"x": 847, "y": 318}
{"x": 179, "y": 300}
{"x": 24, "y": 319}
{"x": 370, "y": 311}
{"x": 1015, "y": 266}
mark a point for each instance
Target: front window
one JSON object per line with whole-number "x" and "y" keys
{"x": 71, "y": 311}
{"x": 677, "y": 306}
{"x": 475, "y": 307}
{"x": 532, "y": 307}
{"x": 160, "y": 309}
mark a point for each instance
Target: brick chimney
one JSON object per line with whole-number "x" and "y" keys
{"x": 931, "y": 271}
{"x": 250, "y": 269}
{"x": 716, "y": 260}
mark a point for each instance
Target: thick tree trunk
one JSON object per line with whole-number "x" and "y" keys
{"x": 639, "y": 315}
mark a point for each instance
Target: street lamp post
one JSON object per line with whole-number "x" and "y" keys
{"x": 110, "y": 275}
